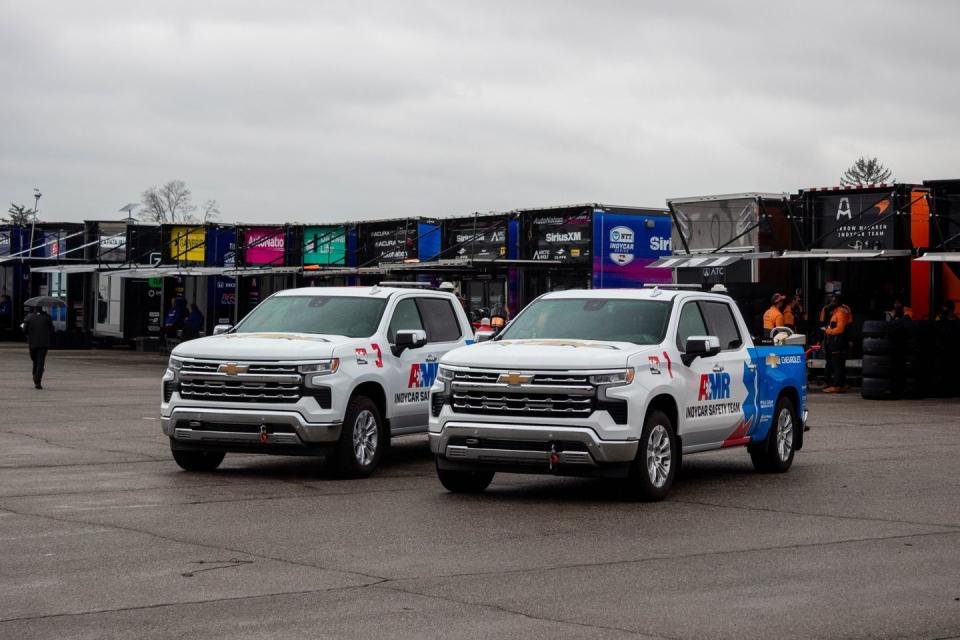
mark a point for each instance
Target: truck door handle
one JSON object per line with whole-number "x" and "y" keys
{"x": 431, "y": 358}
{"x": 718, "y": 367}
{"x": 752, "y": 367}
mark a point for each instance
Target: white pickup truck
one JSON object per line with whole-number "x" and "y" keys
{"x": 616, "y": 383}
{"x": 315, "y": 371}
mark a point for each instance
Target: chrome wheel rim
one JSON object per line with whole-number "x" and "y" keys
{"x": 658, "y": 456}
{"x": 784, "y": 434}
{"x": 365, "y": 437}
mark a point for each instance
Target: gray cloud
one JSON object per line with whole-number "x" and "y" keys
{"x": 342, "y": 110}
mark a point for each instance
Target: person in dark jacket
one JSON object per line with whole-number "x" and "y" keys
{"x": 193, "y": 323}
{"x": 38, "y": 327}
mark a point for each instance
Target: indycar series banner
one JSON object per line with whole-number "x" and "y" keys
{"x": 625, "y": 246}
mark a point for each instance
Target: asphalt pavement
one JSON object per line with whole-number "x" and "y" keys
{"x": 103, "y": 536}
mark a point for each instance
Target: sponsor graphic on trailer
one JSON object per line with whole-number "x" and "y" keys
{"x": 857, "y": 221}
{"x": 422, "y": 376}
{"x": 624, "y": 247}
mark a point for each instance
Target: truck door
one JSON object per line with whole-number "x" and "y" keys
{"x": 409, "y": 375}
{"x": 713, "y": 387}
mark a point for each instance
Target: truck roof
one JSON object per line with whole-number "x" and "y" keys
{"x": 634, "y": 294}
{"x": 374, "y": 291}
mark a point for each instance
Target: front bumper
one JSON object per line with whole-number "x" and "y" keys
{"x": 528, "y": 447}
{"x": 223, "y": 426}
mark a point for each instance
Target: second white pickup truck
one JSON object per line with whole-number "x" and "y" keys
{"x": 333, "y": 372}
{"x": 616, "y": 383}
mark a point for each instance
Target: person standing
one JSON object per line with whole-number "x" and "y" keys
{"x": 837, "y": 344}
{"x": 194, "y": 323}
{"x": 773, "y": 317}
{"x": 38, "y": 327}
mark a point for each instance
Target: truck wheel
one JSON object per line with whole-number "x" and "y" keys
{"x": 363, "y": 439}
{"x": 775, "y": 454}
{"x": 197, "y": 460}
{"x": 464, "y": 481}
{"x": 655, "y": 466}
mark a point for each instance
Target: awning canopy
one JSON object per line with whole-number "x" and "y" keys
{"x": 846, "y": 254}
{"x": 707, "y": 260}
{"x": 940, "y": 256}
{"x": 66, "y": 268}
{"x": 260, "y": 271}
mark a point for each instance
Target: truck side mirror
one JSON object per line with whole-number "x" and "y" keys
{"x": 700, "y": 347}
{"x": 221, "y": 328}
{"x": 408, "y": 339}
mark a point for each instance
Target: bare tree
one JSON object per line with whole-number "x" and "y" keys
{"x": 210, "y": 211}
{"x": 865, "y": 171}
{"x": 20, "y": 216}
{"x": 172, "y": 202}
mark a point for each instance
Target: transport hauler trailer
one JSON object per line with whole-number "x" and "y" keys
{"x": 732, "y": 240}
{"x": 590, "y": 246}
{"x": 861, "y": 241}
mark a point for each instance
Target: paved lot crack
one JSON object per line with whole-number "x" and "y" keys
{"x": 193, "y": 543}
{"x": 705, "y": 503}
{"x": 161, "y": 605}
{"x": 390, "y": 585}
{"x": 681, "y": 556}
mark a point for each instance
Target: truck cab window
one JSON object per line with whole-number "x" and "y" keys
{"x": 722, "y": 324}
{"x": 440, "y": 320}
{"x": 406, "y": 317}
{"x": 690, "y": 324}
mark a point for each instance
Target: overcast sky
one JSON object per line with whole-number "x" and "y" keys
{"x": 336, "y": 111}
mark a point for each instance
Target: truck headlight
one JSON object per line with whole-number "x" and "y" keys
{"x": 175, "y": 364}
{"x": 445, "y": 374}
{"x": 613, "y": 378}
{"x": 316, "y": 370}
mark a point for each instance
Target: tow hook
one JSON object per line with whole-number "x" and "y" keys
{"x": 264, "y": 436}
{"x": 554, "y": 456}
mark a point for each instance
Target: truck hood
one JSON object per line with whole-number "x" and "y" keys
{"x": 542, "y": 354}
{"x": 261, "y": 346}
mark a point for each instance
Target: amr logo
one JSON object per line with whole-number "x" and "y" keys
{"x": 422, "y": 374}
{"x": 714, "y": 386}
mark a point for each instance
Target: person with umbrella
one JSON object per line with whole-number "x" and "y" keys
{"x": 38, "y": 327}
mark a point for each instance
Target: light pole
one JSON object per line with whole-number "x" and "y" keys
{"x": 33, "y": 225}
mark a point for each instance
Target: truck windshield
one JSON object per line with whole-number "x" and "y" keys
{"x": 636, "y": 321}
{"x": 349, "y": 316}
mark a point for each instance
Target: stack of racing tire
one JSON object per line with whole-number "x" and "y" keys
{"x": 907, "y": 359}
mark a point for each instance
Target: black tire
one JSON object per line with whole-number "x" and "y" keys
{"x": 464, "y": 481}
{"x": 875, "y": 329}
{"x": 877, "y": 346}
{"x": 914, "y": 388}
{"x": 877, "y": 389}
{"x": 197, "y": 460}
{"x": 775, "y": 453}
{"x": 658, "y": 456}
{"x": 350, "y": 461}
{"x": 878, "y": 366}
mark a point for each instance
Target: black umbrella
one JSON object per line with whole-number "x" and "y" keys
{"x": 44, "y": 301}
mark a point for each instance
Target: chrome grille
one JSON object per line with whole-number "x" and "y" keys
{"x": 551, "y": 394}
{"x": 260, "y": 382}
{"x": 231, "y": 391}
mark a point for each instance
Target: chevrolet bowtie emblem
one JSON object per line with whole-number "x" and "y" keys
{"x": 773, "y": 360}
{"x": 232, "y": 368}
{"x": 514, "y": 379}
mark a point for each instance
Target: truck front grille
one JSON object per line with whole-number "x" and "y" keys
{"x": 479, "y": 392}
{"x": 254, "y": 382}
{"x": 237, "y": 391}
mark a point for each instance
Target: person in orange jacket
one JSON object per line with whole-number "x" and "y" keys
{"x": 773, "y": 317}
{"x": 836, "y": 345}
